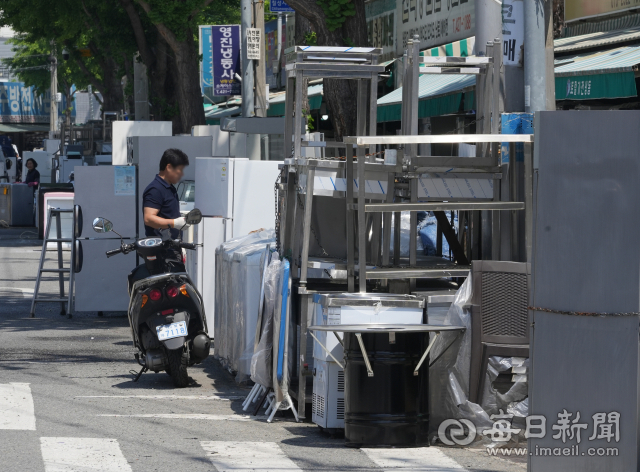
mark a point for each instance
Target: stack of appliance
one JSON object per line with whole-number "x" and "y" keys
{"x": 235, "y": 196}
{"x": 115, "y": 193}
{"x": 349, "y": 309}
{"x": 224, "y": 143}
{"x": 123, "y": 130}
{"x": 9, "y": 160}
{"x": 16, "y": 204}
{"x": 145, "y": 152}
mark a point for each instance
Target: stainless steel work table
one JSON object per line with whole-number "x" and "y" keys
{"x": 391, "y": 329}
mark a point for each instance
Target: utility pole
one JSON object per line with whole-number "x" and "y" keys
{"x": 261, "y": 68}
{"x": 248, "y": 79}
{"x": 279, "y": 54}
{"x": 53, "y": 116}
{"x": 140, "y": 90}
{"x": 549, "y": 56}
{"x": 248, "y": 101}
{"x": 535, "y": 67}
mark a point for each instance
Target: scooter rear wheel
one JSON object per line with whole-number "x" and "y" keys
{"x": 178, "y": 361}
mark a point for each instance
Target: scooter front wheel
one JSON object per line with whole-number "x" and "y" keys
{"x": 178, "y": 361}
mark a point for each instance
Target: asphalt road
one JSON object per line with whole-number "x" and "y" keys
{"x": 68, "y": 402}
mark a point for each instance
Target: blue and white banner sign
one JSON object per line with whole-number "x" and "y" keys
{"x": 225, "y": 42}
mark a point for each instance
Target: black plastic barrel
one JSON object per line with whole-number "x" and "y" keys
{"x": 390, "y": 409}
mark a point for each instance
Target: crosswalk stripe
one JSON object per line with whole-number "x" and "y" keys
{"x": 191, "y": 416}
{"x": 248, "y": 456}
{"x": 16, "y": 407}
{"x": 83, "y": 454}
{"x": 421, "y": 459}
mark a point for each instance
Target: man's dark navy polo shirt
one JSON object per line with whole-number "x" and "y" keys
{"x": 162, "y": 196}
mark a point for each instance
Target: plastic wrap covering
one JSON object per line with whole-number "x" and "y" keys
{"x": 428, "y": 232}
{"x": 262, "y": 359}
{"x": 237, "y": 298}
{"x": 405, "y": 234}
{"x": 449, "y": 378}
{"x": 281, "y": 338}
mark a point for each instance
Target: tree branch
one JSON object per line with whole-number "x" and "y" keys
{"x": 138, "y": 30}
{"x": 166, "y": 33}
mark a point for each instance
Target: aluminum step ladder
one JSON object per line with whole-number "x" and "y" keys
{"x": 54, "y": 214}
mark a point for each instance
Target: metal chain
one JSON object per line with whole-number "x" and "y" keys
{"x": 277, "y": 212}
{"x": 582, "y": 313}
{"x": 313, "y": 231}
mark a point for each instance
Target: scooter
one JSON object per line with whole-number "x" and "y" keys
{"x": 166, "y": 313}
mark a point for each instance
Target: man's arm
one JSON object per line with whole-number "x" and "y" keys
{"x": 152, "y": 219}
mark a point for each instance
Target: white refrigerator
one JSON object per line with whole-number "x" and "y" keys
{"x": 236, "y": 197}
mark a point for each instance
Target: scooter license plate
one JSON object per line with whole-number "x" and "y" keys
{"x": 172, "y": 330}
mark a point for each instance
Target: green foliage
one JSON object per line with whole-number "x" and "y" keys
{"x": 307, "y": 114}
{"x": 269, "y": 16}
{"x": 31, "y": 65}
{"x": 177, "y": 16}
{"x": 221, "y": 12}
{"x": 310, "y": 39}
{"x": 336, "y": 12}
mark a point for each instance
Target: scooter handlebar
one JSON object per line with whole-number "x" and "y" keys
{"x": 113, "y": 252}
{"x": 187, "y": 245}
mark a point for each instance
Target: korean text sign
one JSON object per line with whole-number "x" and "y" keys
{"x": 20, "y": 104}
{"x": 225, "y": 41}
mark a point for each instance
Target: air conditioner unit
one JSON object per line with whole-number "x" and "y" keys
{"x": 327, "y": 401}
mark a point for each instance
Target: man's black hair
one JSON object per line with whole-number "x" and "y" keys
{"x": 175, "y": 157}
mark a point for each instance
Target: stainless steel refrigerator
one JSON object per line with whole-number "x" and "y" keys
{"x": 108, "y": 192}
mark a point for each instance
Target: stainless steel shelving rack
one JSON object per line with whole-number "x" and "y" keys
{"x": 400, "y": 171}
{"x": 299, "y": 171}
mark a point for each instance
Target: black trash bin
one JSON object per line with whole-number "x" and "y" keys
{"x": 390, "y": 409}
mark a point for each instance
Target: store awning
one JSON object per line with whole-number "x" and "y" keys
{"x": 463, "y": 48}
{"x": 438, "y": 95}
{"x": 213, "y": 117}
{"x": 23, "y": 128}
{"x": 606, "y": 74}
{"x": 593, "y": 40}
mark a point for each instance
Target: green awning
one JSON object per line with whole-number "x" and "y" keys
{"x": 605, "y": 74}
{"x": 277, "y": 103}
{"x": 26, "y": 128}
{"x": 438, "y": 95}
{"x": 593, "y": 86}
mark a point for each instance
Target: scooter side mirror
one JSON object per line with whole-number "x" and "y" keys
{"x": 193, "y": 217}
{"x": 102, "y": 225}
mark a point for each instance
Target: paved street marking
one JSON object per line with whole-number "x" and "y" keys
{"x": 82, "y": 454}
{"x": 169, "y": 397}
{"x": 24, "y": 292}
{"x": 248, "y": 456}
{"x": 421, "y": 459}
{"x": 16, "y": 407}
{"x": 192, "y": 416}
